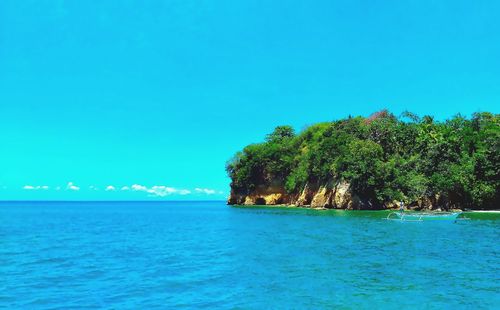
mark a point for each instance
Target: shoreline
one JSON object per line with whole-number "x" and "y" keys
{"x": 334, "y": 209}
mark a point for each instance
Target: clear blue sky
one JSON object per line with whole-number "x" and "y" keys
{"x": 162, "y": 93}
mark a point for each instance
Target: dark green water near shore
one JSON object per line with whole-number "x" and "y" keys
{"x": 476, "y": 215}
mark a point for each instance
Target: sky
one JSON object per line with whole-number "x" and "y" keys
{"x": 137, "y": 100}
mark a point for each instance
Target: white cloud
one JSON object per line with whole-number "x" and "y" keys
{"x": 158, "y": 190}
{"x": 72, "y": 187}
{"x": 184, "y": 192}
{"x": 205, "y": 191}
{"x": 38, "y": 187}
{"x": 137, "y": 187}
{"x": 162, "y": 191}
{"x": 153, "y": 191}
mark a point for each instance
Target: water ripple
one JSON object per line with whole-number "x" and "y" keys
{"x": 208, "y": 255}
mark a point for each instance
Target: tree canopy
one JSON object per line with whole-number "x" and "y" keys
{"x": 384, "y": 158}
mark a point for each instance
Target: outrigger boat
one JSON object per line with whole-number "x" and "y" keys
{"x": 422, "y": 216}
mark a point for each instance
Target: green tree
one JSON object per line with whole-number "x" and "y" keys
{"x": 383, "y": 158}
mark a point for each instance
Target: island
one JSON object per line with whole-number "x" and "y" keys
{"x": 374, "y": 163}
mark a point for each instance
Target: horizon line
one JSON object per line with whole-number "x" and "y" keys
{"x": 187, "y": 200}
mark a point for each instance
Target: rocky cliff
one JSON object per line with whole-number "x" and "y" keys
{"x": 325, "y": 196}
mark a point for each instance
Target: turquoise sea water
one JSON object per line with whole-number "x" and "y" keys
{"x": 144, "y": 255}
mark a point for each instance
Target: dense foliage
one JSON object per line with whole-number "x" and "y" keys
{"x": 383, "y": 157}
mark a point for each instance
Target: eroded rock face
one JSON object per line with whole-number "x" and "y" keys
{"x": 324, "y": 196}
{"x": 274, "y": 199}
{"x": 259, "y": 199}
{"x": 305, "y": 196}
{"x": 235, "y": 199}
{"x": 342, "y": 196}
{"x": 249, "y": 200}
{"x": 330, "y": 196}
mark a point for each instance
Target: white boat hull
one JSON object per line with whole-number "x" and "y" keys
{"x": 418, "y": 217}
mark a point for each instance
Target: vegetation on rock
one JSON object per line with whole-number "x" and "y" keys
{"x": 455, "y": 163}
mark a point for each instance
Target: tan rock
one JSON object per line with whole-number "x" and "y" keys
{"x": 342, "y": 196}
{"x": 273, "y": 199}
{"x": 322, "y": 198}
{"x": 249, "y": 200}
{"x": 305, "y": 196}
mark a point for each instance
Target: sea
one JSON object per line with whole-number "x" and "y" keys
{"x": 190, "y": 255}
